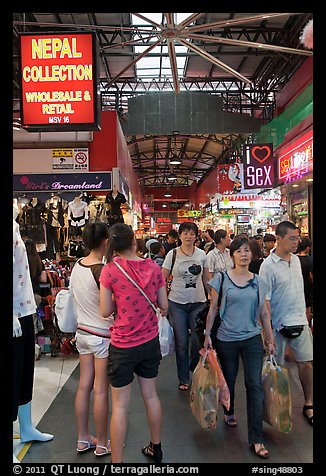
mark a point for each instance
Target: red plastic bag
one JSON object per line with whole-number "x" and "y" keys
{"x": 224, "y": 393}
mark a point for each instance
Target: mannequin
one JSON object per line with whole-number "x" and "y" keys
{"x": 77, "y": 216}
{"x": 32, "y": 222}
{"x": 115, "y": 199}
{"x": 23, "y": 342}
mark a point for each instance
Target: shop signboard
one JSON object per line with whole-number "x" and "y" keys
{"x": 296, "y": 159}
{"x": 229, "y": 178}
{"x": 91, "y": 181}
{"x": 258, "y": 167}
{"x": 58, "y": 75}
{"x": 70, "y": 159}
{"x": 189, "y": 213}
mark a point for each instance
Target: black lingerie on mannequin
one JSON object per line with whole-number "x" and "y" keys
{"x": 115, "y": 214}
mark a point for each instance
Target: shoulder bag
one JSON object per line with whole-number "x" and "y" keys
{"x": 170, "y": 278}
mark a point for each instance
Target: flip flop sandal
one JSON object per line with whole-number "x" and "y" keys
{"x": 308, "y": 418}
{"x": 230, "y": 421}
{"x": 260, "y": 451}
{"x": 85, "y": 442}
{"x": 184, "y": 387}
{"x": 107, "y": 450}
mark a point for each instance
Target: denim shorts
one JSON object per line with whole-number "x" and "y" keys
{"x": 142, "y": 360}
{"x": 91, "y": 344}
{"x": 301, "y": 346}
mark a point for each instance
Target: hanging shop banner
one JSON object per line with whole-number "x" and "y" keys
{"x": 148, "y": 204}
{"x": 58, "y": 74}
{"x": 258, "y": 167}
{"x": 248, "y": 201}
{"x": 70, "y": 159}
{"x": 229, "y": 178}
{"x": 296, "y": 160}
{"x": 64, "y": 182}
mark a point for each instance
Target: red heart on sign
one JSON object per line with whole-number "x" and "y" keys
{"x": 265, "y": 155}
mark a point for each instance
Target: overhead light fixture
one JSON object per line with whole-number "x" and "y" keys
{"x": 172, "y": 177}
{"x": 175, "y": 161}
{"x": 167, "y": 194}
{"x": 17, "y": 124}
{"x": 295, "y": 185}
{"x": 164, "y": 205}
{"x": 309, "y": 180}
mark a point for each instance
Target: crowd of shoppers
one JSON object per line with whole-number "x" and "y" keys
{"x": 267, "y": 287}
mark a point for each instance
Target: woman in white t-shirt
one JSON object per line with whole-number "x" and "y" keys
{"x": 187, "y": 298}
{"x": 92, "y": 340}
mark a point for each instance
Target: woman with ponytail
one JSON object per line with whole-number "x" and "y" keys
{"x": 134, "y": 347}
{"x": 92, "y": 340}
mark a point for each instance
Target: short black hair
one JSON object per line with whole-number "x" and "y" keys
{"x": 155, "y": 247}
{"x": 173, "y": 233}
{"x": 188, "y": 225}
{"x": 304, "y": 243}
{"x": 238, "y": 241}
{"x": 283, "y": 227}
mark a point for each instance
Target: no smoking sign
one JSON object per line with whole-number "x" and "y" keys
{"x": 81, "y": 159}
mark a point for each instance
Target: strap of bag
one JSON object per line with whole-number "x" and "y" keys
{"x": 220, "y": 293}
{"x": 138, "y": 287}
{"x": 173, "y": 259}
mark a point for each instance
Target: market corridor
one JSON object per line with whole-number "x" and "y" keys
{"x": 183, "y": 441}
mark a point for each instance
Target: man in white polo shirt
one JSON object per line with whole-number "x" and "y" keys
{"x": 281, "y": 271}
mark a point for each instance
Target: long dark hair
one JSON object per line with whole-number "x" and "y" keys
{"x": 256, "y": 251}
{"x": 94, "y": 234}
{"x": 121, "y": 238}
{"x": 34, "y": 259}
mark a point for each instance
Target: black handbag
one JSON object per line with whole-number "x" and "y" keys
{"x": 291, "y": 332}
{"x": 201, "y": 319}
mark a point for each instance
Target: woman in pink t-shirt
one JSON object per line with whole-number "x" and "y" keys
{"x": 134, "y": 347}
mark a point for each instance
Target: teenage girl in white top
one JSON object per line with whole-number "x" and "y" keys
{"x": 92, "y": 340}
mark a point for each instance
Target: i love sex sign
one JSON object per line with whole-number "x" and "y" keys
{"x": 258, "y": 166}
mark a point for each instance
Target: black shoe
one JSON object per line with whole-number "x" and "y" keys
{"x": 153, "y": 451}
{"x": 309, "y": 418}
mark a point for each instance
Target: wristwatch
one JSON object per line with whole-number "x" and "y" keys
{"x": 205, "y": 332}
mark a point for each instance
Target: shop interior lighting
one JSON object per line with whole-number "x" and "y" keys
{"x": 295, "y": 185}
{"x": 172, "y": 177}
{"x": 175, "y": 161}
{"x": 164, "y": 205}
{"x": 309, "y": 180}
{"x": 167, "y": 194}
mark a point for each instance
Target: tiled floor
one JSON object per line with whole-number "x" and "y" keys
{"x": 51, "y": 373}
{"x": 182, "y": 439}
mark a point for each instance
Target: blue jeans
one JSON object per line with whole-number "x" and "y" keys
{"x": 252, "y": 353}
{"x": 183, "y": 318}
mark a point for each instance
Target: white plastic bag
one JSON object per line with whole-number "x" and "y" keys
{"x": 166, "y": 336}
{"x": 66, "y": 311}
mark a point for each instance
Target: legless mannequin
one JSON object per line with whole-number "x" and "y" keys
{"x": 24, "y": 342}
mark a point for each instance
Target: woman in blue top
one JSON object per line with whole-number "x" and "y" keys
{"x": 243, "y": 304}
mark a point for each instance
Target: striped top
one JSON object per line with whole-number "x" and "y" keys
{"x": 218, "y": 261}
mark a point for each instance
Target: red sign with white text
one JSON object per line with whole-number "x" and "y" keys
{"x": 58, "y": 81}
{"x": 296, "y": 159}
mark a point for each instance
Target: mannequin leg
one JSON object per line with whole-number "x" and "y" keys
{"x": 27, "y": 431}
